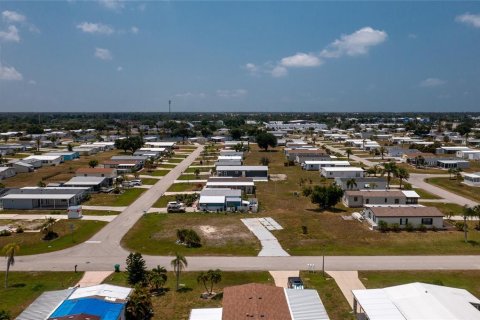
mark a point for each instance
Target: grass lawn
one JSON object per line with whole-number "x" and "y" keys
{"x": 179, "y": 187}
{"x": 163, "y": 201}
{"x": 192, "y": 177}
{"x": 202, "y": 169}
{"x": 328, "y": 233}
{"x": 24, "y": 287}
{"x": 32, "y": 243}
{"x": 468, "y": 280}
{"x": 170, "y": 160}
{"x": 448, "y": 209}
{"x": 455, "y": 186}
{"x": 332, "y": 298}
{"x": 149, "y": 181}
{"x": 117, "y": 200}
{"x": 168, "y": 166}
{"x": 60, "y": 173}
{"x": 425, "y": 194}
{"x": 99, "y": 213}
{"x": 54, "y": 212}
{"x": 221, "y": 235}
{"x": 159, "y": 173}
{"x": 177, "y": 305}
{"x": 427, "y": 170}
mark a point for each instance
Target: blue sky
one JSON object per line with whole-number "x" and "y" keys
{"x": 231, "y": 56}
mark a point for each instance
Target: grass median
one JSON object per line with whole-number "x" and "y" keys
{"x": 457, "y": 187}
{"x": 116, "y": 200}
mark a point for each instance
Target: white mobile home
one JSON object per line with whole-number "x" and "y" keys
{"x": 46, "y": 160}
{"x": 7, "y": 172}
{"x": 416, "y": 216}
{"x": 342, "y": 172}
{"x": 472, "y": 179}
{"x": 255, "y": 172}
{"x": 316, "y": 165}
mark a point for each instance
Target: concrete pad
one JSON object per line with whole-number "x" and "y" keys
{"x": 270, "y": 245}
{"x": 347, "y": 281}
{"x": 92, "y": 278}
{"x": 281, "y": 277}
{"x": 104, "y": 208}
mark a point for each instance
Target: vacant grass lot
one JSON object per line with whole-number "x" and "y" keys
{"x": 177, "y": 305}
{"x": 332, "y": 298}
{"x": 201, "y": 169}
{"x": 468, "y": 280}
{"x": 180, "y": 187}
{"x": 159, "y": 173}
{"x": 60, "y": 173}
{"x": 32, "y": 243}
{"x": 221, "y": 235}
{"x": 448, "y": 209}
{"x": 412, "y": 169}
{"x": 425, "y": 194}
{"x": 24, "y": 287}
{"x": 117, "y": 200}
{"x": 172, "y": 160}
{"x": 192, "y": 177}
{"x": 149, "y": 181}
{"x": 163, "y": 201}
{"x": 457, "y": 187}
{"x": 328, "y": 233}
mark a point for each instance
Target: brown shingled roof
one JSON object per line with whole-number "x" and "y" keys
{"x": 406, "y": 211}
{"x": 255, "y": 301}
{"x": 306, "y": 151}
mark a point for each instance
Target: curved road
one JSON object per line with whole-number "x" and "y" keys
{"x": 103, "y": 250}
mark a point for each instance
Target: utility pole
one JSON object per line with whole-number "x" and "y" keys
{"x": 169, "y": 107}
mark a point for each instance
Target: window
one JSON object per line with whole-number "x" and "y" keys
{"x": 355, "y": 199}
{"x": 401, "y": 221}
{"x": 385, "y": 200}
{"x": 427, "y": 221}
{"x": 367, "y": 201}
{"x": 397, "y": 201}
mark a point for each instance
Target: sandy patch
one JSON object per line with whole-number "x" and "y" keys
{"x": 278, "y": 177}
{"x": 207, "y": 230}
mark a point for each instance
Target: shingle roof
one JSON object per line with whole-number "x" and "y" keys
{"x": 413, "y": 211}
{"x": 255, "y": 301}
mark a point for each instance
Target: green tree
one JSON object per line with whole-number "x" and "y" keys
{"x": 467, "y": 213}
{"x": 179, "y": 263}
{"x": 348, "y": 152}
{"x": 326, "y": 196}
{"x": 136, "y": 269}
{"x": 351, "y": 183}
{"x": 382, "y": 151}
{"x": 70, "y": 147}
{"x": 196, "y": 172}
{"x": 264, "y": 161}
{"x": 93, "y": 163}
{"x": 139, "y": 305}
{"x": 265, "y": 140}
{"x": 5, "y": 315}
{"x": 236, "y": 133}
{"x": 157, "y": 277}
{"x": 389, "y": 168}
{"x": 401, "y": 174}
{"x": 10, "y": 250}
{"x": 215, "y": 276}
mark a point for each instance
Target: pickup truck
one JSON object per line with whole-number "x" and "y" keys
{"x": 174, "y": 206}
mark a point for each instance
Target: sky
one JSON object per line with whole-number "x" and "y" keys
{"x": 227, "y": 56}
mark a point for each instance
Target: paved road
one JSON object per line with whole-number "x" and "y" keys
{"x": 418, "y": 180}
{"x": 352, "y": 157}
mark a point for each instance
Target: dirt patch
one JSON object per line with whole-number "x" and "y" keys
{"x": 207, "y": 230}
{"x": 278, "y": 177}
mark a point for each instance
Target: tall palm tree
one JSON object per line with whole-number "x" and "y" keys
{"x": 382, "y": 151}
{"x": 401, "y": 174}
{"x": 178, "y": 264}
{"x": 203, "y": 278}
{"x": 351, "y": 183}
{"x": 466, "y": 213}
{"x": 389, "y": 168}
{"x": 349, "y": 153}
{"x": 9, "y": 250}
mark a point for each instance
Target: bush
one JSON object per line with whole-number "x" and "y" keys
{"x": 459, "y": 225}
{"x": 304, "y": 229}
{"x": 407, "y": 186}
{"x": 422, "y": 228}
{"x": 19, "y": 230}
{"x": 87, "y": 197}
{"x": 50, "y": 235}
{"x": 55, "y": 212}
{"x": 395, "y": 227}
{"x": 434, "y": 229}
{"x": 382, "y": 226}
{"x": 5, "y": 233}
{"x": 409, "y": 227}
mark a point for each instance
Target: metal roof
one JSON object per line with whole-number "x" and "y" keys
{"x": 212, "y": 199}
{"x": 103, "y": 290}
{"x": 342, "y": 169}
{"x": 242, "y": 168}
{"x": 206, "y": 314}
{"x": 305, "y": 305}
{"x": 44, "y": 305}
{"x": 38, "y": 196}
{"x": 88, "y": 181}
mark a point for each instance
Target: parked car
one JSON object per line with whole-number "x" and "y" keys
{"x": 136, "y": 182}
{"x": 174, "y": 206}
{"x": 295, "y": 283}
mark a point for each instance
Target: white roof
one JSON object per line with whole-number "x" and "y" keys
{"x": 342, "y": 169}
{"x": 242, "y": 168}
{"x": 458, "y": 148}
{"x": 153, "y": 149}
{"x": 5, "y": 169}
{"x": 39, "y": 196}
{"x": 87, "y": 181}
{"x": 227, "y": 183}
{"x": 410, "y": 194}
{"x": 471, "y": 175}
{"x": 206, "y": 314}
{"x": 305, "y": 305}
{"x": 212, "y": 199}
{"x": 102, "y": 290}
{"x": 42, "y": 157}
{"x": 452, "y": 161}
{"x": 229, "y": 157}
{"x": 418, "y": 301}
{"x": 328, "y": 162}
{"x": 160, "y": 143}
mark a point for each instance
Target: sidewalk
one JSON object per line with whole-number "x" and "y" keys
{"x": 54, "y": 216}
{"x": 347, "y": 281}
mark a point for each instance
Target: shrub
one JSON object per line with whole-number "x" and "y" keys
{"x": 409, "y": 227}
{"x": 50, "y": 235}
{"x": 87, "y": 197}
{"x": 434, "y": 229}
{"x": 407, "y": 186}
{"x": 55, "y": 212}
{"x": 459, "y": 225}
{"x": 19, "y": 230}
{"x": 5, "y": 233}
{"x": 382, "y": 226}
{"x": 422, "y": 228}
{"x": 304, "y": 229}
{"x": 395, "y": 227}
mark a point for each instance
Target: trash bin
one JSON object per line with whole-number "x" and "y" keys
{"x": 117, "y": 268}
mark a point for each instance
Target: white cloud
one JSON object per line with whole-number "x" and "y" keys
{"x": 9, "y": 74}
{"x": 187, "y": 95}
{"x": 279, "y": 72}
{"x": 119, "y": 68}
{"x": 134, "y": 30}
{"x": 236, "y": 93}
{"x": 10, "y": 35}
{"x": 301, "y": 60}
{"x": 95, "y": 28}
{"x": 354, "y": 44}
{"x": 432, "y": 82}
{"x": 12, "y": 16}
{"x": 114, "y": 5}
{"x": 469, "y": 19}
{"x": 32, "y": 82}
{"x": 103, "y": 54}
{"x": 252, "y": 68}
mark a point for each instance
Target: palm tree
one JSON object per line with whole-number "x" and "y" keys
{"x": 382, "y": 151}
{"x": 215, "y": 277}
{"x": 451, "y": 171}
{"x": 389, "y": 168}
{"x": 351, "y": 183}
{"x": 402, "y": 174}
{"x": 466, "y": 213}
{"x": 178, "y": 264}
{"x": 9, "y": 250}
{"x": 349, "y": 152}
{"x": 203, "y": 278}
{"x": 197, "y": 172}
{"x": 157, "y": 277}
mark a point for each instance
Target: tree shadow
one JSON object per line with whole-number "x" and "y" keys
{"x": 18, "y": 285}
{"x": 184, "y": 289}
{"x": 474, "y": 243}
{"x": 268, "y": 151}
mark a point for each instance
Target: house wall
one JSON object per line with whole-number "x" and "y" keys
{"x": 415, "y": 221}
{"x": 342, "y": 174}
{"x": 360, "y": 201}
{"x": 212, "y": 207}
